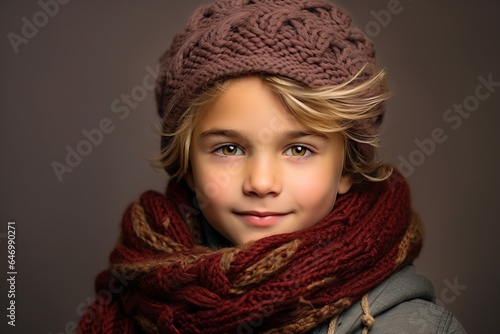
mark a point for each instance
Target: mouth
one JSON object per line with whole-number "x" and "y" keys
{"x": 260, "y": 218}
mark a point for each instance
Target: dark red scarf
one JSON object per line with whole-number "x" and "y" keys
{"x": 162, "y": 280}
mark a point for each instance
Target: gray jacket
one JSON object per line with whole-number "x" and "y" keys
{"x": 403, "y": 303}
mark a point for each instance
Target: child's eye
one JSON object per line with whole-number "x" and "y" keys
{"x": 229, "y": 150}
{"x": 298, "y": 151}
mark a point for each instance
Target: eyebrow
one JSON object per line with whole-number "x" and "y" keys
{"x": 221, "y": 133}
{"x": 227, "y": 133}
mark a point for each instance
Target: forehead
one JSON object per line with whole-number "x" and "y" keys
{"x": 248, "y": 104}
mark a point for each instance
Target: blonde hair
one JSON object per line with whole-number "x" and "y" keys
{"x": 352, "y": 109}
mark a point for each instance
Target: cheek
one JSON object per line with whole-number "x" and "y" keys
{"x": 315, "y": 191}
{"x": 212, "y": 184}
{"x": 213, "y": 178}
{"x": 315, "y": 194}
{"x": 214, "y": 187}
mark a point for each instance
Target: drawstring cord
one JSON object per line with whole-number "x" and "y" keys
{"x": 367, "y": 319}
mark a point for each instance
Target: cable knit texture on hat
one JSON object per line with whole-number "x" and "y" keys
{"x": 311, "y": 42}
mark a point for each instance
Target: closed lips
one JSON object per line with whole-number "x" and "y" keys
{"x": 261, "y": 219}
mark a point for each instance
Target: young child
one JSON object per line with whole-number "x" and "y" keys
{"x": 279, "y": 217}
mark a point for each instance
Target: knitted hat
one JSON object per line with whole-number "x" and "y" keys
{"x": 309, "y": 41}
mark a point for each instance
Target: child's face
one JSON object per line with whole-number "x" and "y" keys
{"x": 258, "y": 172}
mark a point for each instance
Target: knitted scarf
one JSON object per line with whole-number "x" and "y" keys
{"x": 162, "y": 279}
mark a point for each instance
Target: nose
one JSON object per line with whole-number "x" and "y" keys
{"x": 262, "y": 177}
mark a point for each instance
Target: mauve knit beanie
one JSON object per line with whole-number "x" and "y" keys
{"x": 309, "y": 41}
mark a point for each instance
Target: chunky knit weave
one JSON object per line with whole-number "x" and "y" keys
{"x": 308, "y": 41}
{"x": 286, "y": 283}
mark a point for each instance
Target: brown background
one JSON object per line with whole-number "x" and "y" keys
{"x": 65, "y": 78}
